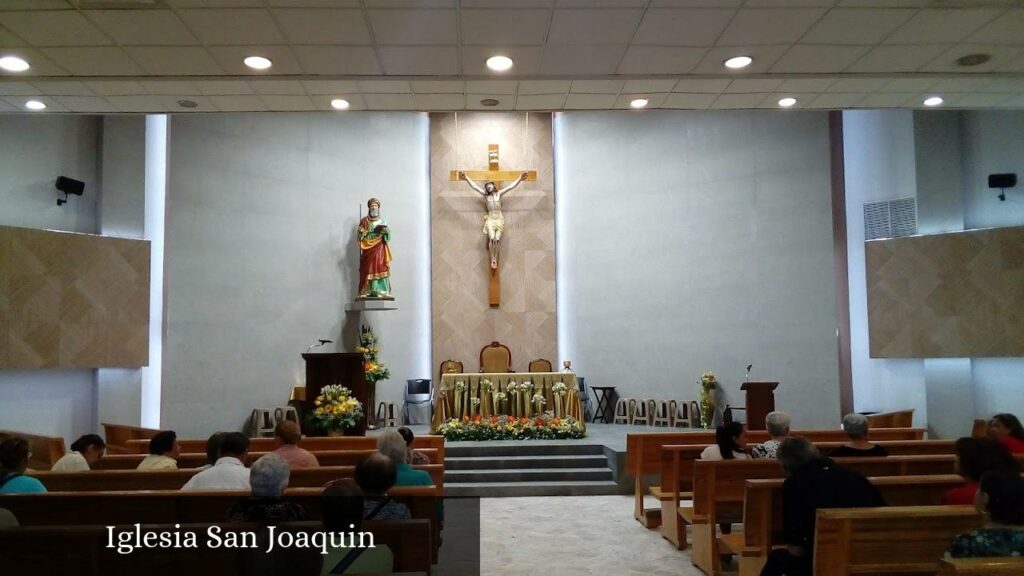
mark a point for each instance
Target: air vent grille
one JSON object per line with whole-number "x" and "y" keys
{"x": 890, "y": 219}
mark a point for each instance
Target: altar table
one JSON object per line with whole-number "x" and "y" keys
{"x": 473, "y": 398}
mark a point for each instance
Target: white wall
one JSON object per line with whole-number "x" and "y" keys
{"x": 34, "y": 150}
{"x": 693, "y": 241}
{"x": 880, "y": 165}
{"x": 261, "y": 257}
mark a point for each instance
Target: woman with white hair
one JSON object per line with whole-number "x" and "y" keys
{"x": 856, "y": 427}
{"x": 268, "y": 477}
{"x": 391, "y": 444}
{"x": 777, "y": 426}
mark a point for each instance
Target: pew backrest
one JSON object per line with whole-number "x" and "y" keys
{"x": 982, "y": 567}
{"x": 118, "y": 435}
{"x": 128, "y": 480}
{"x": 311, "y": 443}
{"x": 185, "y": 461}
{"x": 46, "y": 450}
{"x": 893, "y": 540}
{"x": 895, "y": 419}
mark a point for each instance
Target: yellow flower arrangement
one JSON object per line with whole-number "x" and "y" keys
{"x": 336, "y": 408}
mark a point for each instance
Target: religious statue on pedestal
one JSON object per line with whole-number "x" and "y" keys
{"x": 374, "y": 254}
{"x": 494, "y": 221}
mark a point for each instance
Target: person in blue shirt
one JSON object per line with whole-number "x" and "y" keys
{"x": 14, "y": 454}
{"x": 392, "y": 444}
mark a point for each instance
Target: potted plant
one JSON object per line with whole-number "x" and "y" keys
{"x": 336, "y": 410}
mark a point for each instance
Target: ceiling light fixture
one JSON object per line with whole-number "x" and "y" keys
{"x": 188, "y": 103}
{"x": 738, "y": 62}
{"x": 340, "y": 104}
{"x": 933, "y": 101}
{"x": 35, "y": 105}
{"x": 638, "y": 103}
{"x": 489, "y": 102}
{"x": 258, "y": 62}
{"x": 499, "y": 63}
{"x": 973, "y": 59}
{"x": 13, "y": 64}
{"x": 787, "y": 102}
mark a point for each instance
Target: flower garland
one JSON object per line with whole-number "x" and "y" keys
{"x": 375, "y": 370}
{"x": 543, "y": 427}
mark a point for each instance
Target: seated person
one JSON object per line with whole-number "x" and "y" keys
{"x": 777, "y": 425}
{"x": 212, "y": 449}
{"x": 415, "y": 458}
{"x": 975, "y": 457}
{"x": 856, "y": 427}
{"x": 342, "y": 509}
{"x": 812, "y": 482}
{"x": 268, "y": 478}
{"x": 163, "y": 452}
{"x": 84, "y": 452}
{"x": 1001, "y": 501}
{"x": 287, "y": 436}
{"x": 14, "y": 456}
{"x": 7, "y": 519}
{"x": 229, "y": 473}
{"x": 1007, "y": 429}
{"x": 375, "y": 475}
{"x": 392, "y": 444}
{"x": 730, "y": 443}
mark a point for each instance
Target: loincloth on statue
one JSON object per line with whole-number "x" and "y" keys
{"x": 493, "y": 223}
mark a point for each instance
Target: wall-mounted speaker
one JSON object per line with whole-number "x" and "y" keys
{"x": 1002, "y": 181}
{"x": 69, "y": 186}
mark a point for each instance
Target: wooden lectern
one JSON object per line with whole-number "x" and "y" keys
{"x": 345, "y": 368}
{"x": 760, "y": 401}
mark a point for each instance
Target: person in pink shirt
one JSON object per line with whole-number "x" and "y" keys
{"x": 287, "y": 435}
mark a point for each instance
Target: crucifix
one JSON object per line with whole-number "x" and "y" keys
{"x": 494, "y": 221}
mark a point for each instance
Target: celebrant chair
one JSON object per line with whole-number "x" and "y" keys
{"x": 540, "y": 365}
{"x": 419, "y": 399}
{"x": 449, "y": 367}
{"x": 495, "y": 358}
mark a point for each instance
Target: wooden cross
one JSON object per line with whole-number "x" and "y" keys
{"x": 493, "y": 174}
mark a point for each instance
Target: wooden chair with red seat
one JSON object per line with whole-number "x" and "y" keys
{"x": 495, "y": 358}
{"x": 540, "y": 365}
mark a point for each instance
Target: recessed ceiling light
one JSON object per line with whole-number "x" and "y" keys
{"x": 638, "y": 103}
{"x": 35, "y": 105}
{"x": 340, "y": 104}
{"x": 738, "y": 62}
{"x": 499, "y": 63}
{"x": 489, "y": 102}
{"x": 188, "y": 103}
{"x": 933, "y": 101}
{"x": 973, "y": 59}
{"x": 13, "y": 64}
{"x": 787, "y": 102}
{"x": 258, "y": 62}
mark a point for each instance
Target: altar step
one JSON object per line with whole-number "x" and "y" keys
{"x": 527, "y": 469}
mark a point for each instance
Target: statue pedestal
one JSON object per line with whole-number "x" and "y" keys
{"x": 358, "y": 308}
{"x": 371, "y": 305}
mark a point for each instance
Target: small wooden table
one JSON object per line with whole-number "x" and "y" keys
{"x": 603, "y": 395}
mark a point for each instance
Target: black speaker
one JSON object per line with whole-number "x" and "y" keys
{"x": 70, "y": 185}
{"x": 1002, "y": 180}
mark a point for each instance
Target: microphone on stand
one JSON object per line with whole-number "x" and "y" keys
{"x": 749, "y": 366}
{"x": 321, "y": 343}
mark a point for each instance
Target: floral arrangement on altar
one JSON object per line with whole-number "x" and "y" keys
{"x": 545, "y": 426}
{"x": 708, "y": 385}
{"x": 336, "y": 409}
{"x": 374, "y": 370}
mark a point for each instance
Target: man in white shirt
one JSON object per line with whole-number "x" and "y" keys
{"x": 229, "y": 473}
{"x": 84, "y": 452}
{"x": 163, "y": 452}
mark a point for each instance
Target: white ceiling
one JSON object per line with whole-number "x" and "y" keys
{"x": 569, "y": 54}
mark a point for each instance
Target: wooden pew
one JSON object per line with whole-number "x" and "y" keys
{"x": 762, "y": 512}
{"x": 311, "y": 443}
{"x": 46, "y": 450}
{"x": 126, "y": 480}
{"x": 719, "y": 488}
{"x": 896, "y": 419}
{"x": 979, "y": 429}
{"x": 643, "y": 454}
{"x": 892, "y": 540}
{"x": 83, "y": 549}
{"x": 118, "y": 435}
{"x": 982, "y": 567}
{"x": 177, "y": 507}
{"x": 185, "y": 461}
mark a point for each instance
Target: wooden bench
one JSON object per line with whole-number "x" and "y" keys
{"x": 177, "y": 507}
{"x": 643, "y": 456}
{"x": 719, "y": 488}
{"x": 127, "y": 480}
{"x": 185, "y": 461}
{"x": 896, "y": 419}
{"x": 982, "y": 567}
{"x": 118, "y": 435}
{"x": 46, "y": 450}
{"x": 311, "y": 443}
{"x": 83, "y": 552}
{"x": 762, "y": 512}
{"x": 892, "y": 540}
